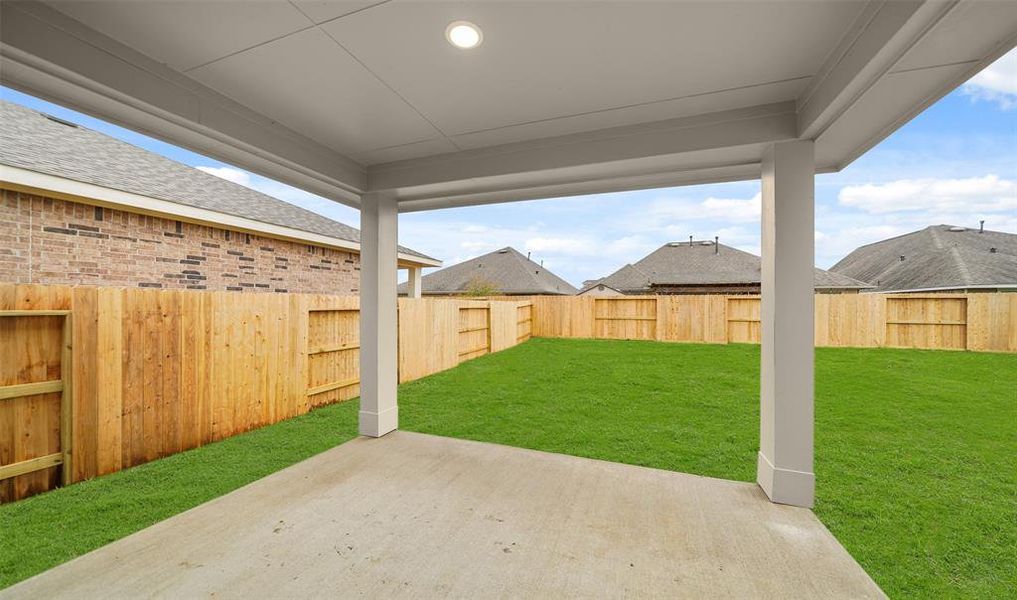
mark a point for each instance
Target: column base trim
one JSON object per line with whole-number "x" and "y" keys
{"x": 377, "y": 424}
{"x": 785, "y": 486}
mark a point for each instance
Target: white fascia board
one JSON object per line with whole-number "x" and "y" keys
{"x": 49, "y": 55}
{"x": 647, "y": 149}
{"x": 87, "y": 193}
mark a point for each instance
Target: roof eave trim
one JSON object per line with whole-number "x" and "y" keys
{"x": 29, "y": 181}
{"x": 981, "y": 286}
{"x": 845, "y": 287}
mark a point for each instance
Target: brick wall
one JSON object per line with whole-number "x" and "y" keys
{"x": 45, "y": 240}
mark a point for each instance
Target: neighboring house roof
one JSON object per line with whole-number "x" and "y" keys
{"x": 703, "y": 263}
{"x": 597, "y": 284}
{"x": 939, "y": 257}
{"x": 37, "y": 142}
{"x": 506, "y": 269}
{"x": 626, "y": 279}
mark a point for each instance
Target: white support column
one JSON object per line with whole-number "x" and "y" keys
{"x": 785, "y": 470}
{"x": 413, "y": 285}
{"x": 379, "y": 410}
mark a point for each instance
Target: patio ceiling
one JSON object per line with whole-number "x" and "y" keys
{"x": 342, "y": 98}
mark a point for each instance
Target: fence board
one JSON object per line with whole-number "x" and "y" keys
{"x": 625, "y": 318}
{"x": 563, "y": 316}
{"x": 524, "y": 321}
{"x": 108, "y": 381}
{"x": 428, "y": 336}
{"x": 692, "y": 318}
{"x": 504, "y": 317}
{"x": 743, "y": 320}
{"x": 926, "y": 322}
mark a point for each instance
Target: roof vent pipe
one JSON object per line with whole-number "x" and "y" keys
{"x": 528, "y": 256}
{"x": 716, "y": 244}
{"x": 981, "y": 227}
{"x": 690, "y": 241}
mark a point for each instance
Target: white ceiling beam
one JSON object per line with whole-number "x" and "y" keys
{"x": 49, "y": 55}
{"x": 660, "y": 150}
{"x": 741, "y": 172}
{"x": 883, "y": 33}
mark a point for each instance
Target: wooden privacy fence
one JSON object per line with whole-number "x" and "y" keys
{"x": 981, "y": 322}
{"x": 95, "y": 380}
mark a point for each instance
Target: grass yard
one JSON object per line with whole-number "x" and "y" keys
{"x": 916, "y": 451}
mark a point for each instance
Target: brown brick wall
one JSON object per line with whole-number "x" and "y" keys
{"x": 46, "y": 240}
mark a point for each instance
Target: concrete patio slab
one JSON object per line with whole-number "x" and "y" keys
{"x": 412, "y": 515}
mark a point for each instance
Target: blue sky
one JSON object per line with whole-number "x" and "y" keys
{"x": 955, "y": 163}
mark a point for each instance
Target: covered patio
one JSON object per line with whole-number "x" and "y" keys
{"x": 368, "y": 104}
{"x": 420, "y": 516}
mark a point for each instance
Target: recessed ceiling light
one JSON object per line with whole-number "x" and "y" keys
{"x": 463, "y": 34}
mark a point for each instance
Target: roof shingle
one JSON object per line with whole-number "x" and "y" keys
{"x": 703, "y": 263}
{"x": 934, "y": 258}
{"x": 37, "y": 142}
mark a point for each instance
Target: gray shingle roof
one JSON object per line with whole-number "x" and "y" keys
{"x": 506, "y": 269}
{"x": 34, "y": 141}
{"x": 935, "y": 258}
{"x": 704, "y": 263}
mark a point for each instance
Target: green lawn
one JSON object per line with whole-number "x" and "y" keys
{"x": 916, "y": 451}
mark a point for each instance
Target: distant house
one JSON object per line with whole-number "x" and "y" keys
{"x": 80, "y": 207}
{"x": 701, "y": 267}
{"x": 940, "y": 258}
{"x": 502, "y": 272}
{"x": 596, "y": 288}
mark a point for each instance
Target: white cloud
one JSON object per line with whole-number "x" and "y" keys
{"x": 230, "y": 174}
{"x": 629, "y": 248}
{"x": 973, "y": 195}
{"x": 996, "y": 83}
{"x": 735, "y": 210}
{"x": 732, "y": 210}
{"x": 562, "y": 245}
{"x": 478, "y": 247}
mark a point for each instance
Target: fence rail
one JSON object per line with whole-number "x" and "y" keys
{"x": 155, "y": 372}
{"x": 979, "y": 322}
